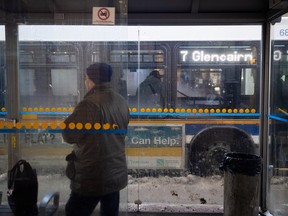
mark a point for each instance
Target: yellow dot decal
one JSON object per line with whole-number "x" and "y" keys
{"x": 47, "y": 109}
{"x": 165, "y": 110}
{"x": 24, "y": 109}
{"x": 1, "y": 124}
{"x": 247, "y": 110}
{"x": 235, "y": 110}
{"x": 70, "y": 109}
{"x": 148, "y": 110}
{"x": 159, "y": 110}
{"x": 106, "y": 126}
{"x": 177, "y": 110}
{"x": 53, "y": 109}
{"x": 64, "y": 109}
{"x": 30, "y": 109}
{"x": 115, "y": 126}
{"x": 218, "y": 110}
{"x": 35, "y": 109}
{"x": 10, "y": 125}
{"x": 241, "y": 110}
{"x": 194, "y": 111}
{"x": 59, "y": 109}
{"x": 142, "y": 110}
{"x": 134, "y": 109}
{"x": 182, "y": 110}
{"x": 62, "y": 125}
{"x": 200, "y": 110}
{"x": 3, "y": 109}
{"x": 206, "y": 110}
{"x": 171, "y": 110}
{"x": 41, "y": 109}
{"x": 224, "y": 110}
{"x": 97, "y": 126}
{"x": 88, "y": 126}
{"x": 18, "y": 125}
{"x": 212, "y": 110}
{"x": 154, "y": 110}
{"x": 28, "y": 125}
{"x": 35, "y": 125}
{"x": 53, "y": 125}
{"x": 253, "y": 110}
{"x": 44, "y": 125}
{"x": 229, "y": 110}
{"x": 79, "y": 126}
{"x": 72, "y": 126}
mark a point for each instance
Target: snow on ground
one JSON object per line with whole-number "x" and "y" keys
{"x": 184, "y": 190}
{"x": 187, "y": 190}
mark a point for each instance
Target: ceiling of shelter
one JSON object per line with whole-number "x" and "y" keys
{"x": 144, "y": 11}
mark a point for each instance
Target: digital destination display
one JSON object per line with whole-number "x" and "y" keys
{"x": 216, "y": 56}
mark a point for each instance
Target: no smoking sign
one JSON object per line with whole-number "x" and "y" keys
{"x": 103, "y": 15}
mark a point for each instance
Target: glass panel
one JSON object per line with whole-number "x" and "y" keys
{"x": 192, "y": 97}
{"x": 2, "y": 70}
{"x": 51, "y": 84}
{"x": 52, "y": 63}
{"x": 278, "y": 130}
{"x": 3, "y": 116}
{"x": 210, "y": 107}
{"x": 3, "y": 162}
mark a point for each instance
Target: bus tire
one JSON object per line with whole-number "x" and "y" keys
{"x": 208, "y": 147}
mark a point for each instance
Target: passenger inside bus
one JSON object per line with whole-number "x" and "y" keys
{"x": 151, "y": 91}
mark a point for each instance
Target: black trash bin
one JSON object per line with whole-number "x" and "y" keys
{"x": 241, "y": 184}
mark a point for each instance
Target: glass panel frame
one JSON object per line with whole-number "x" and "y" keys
{"x": 278, "y": 117}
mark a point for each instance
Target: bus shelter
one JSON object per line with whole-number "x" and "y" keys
{"x": 222, "y": 88}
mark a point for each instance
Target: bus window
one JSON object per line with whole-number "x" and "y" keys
{"x": 248, "y": 81}
{"x": 64, "y": 82}
{"x": 135, "y": 78}
{"x": 49, "y": 74}
{"x": 26, "y": 82}
{"x": 198, "y": 87}
{"x": 131, "y": 66}
{"x": 216, "y": 76}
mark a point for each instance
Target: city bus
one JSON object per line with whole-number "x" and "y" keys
{"x": 211, "y": 81}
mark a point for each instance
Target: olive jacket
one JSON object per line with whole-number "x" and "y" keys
{"x": 97, "y": 164}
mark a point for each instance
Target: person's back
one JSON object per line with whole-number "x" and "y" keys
{"x": 102, "y": 155}
{"x": 97, "y": 166}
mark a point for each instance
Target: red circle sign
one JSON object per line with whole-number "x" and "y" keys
{"x": 103, "y": 13}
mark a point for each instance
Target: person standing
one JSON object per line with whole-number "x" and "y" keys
{"x": 97, "y": 165}
{"x": 151, "y": 91}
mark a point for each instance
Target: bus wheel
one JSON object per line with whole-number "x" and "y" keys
{"x": 208, "y": 147}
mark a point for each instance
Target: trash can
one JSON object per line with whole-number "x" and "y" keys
{"x": 241, "y": 184}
